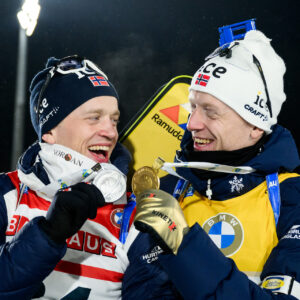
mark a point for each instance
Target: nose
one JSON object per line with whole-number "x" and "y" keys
{"x": 107, "y": 128}
{"x": 195, "y": 121}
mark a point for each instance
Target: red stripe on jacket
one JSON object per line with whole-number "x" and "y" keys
{"x": 88, "y": 271}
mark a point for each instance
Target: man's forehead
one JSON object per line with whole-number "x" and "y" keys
{"x": 201, "y": 96}
{"x": 205, "y": 99}
{"x": 105, "y": 109}
{"x": 107, "y": 104}
{"x": 109, "y": 109}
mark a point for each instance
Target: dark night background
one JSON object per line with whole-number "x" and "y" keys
{"x": 140, "y": 45}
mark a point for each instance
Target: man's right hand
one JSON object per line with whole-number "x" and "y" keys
{"x": 69, "y": 209}
{"x": 160, "y": 215}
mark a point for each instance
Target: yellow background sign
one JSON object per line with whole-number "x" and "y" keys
{"x": 158, "y": 129}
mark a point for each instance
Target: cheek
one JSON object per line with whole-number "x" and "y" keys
{"x": 80, "y": 136}
{"x": 115, "y": 134}
{"x": 217, "y": 128}
{"x": 87, "y": 131}
{"x": 226, "y": 135}
{"x": 115, "y": 140}
{"x": 116, "y": 137}
{"x": 239, "y": 138}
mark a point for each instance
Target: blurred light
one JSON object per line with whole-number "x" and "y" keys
{"x": 28, "y": 15}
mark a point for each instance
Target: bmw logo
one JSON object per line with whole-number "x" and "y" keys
{"x": 116, "y": 217}
{"x": 226, "y": 231}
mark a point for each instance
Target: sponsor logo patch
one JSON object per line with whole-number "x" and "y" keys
{"x": 190, "y": 192}
{"x": 116, "y": 217}
{"x": 293, "y": 233}
{"x": 91, "y": 243}
{"x": 178, "y": 114}
{"x": 273, "y": 283}
{"x": 172, "y": 225}
{"x": 153, "y": 255}
{"x": 68, "y": 157}
{"x": 15, "y": 224}
{"x": 213, "y": 69}
{"x": 49, "y": 116}
{"x": 226, "y": 231}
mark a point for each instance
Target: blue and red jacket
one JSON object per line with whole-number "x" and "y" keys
{"x": 31, "y": 256}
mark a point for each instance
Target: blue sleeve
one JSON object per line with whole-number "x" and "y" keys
{"x": 3, "y": 221}
{"x": 200, "y": 271}
{"x": 168, "y": 183}
{"x": 5, "y": 187}
{"x": 144, "y": 278}
{"x": 285, "y": 257}
{"x": 26, "y": 261}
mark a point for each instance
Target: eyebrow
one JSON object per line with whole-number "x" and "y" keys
{"x": 208, "y": 105}
{"x": 100, "y": 111}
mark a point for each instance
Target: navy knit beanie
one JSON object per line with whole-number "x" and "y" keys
{"x": 63, "y": 94}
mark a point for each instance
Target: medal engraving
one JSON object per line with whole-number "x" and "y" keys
{"x": 112, "y": 184}
{"x": 143, "y": 179}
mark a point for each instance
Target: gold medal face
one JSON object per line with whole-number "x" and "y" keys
{"x": 144, "y": 178}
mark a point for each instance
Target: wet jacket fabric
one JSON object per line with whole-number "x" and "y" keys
{"x": 200, "y": 270}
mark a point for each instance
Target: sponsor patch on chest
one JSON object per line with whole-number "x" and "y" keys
{"x": 91, "y": 243}
{"x": 152, "y": 256}
{"x": 226, "y": 231}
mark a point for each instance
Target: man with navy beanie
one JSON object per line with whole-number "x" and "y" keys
{"x": 60, "y": 212}
{"x": 64, "y": 92}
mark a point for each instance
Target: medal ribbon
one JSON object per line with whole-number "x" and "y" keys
{"x": 274, "y": 194}
{"x": 205, "y": 166}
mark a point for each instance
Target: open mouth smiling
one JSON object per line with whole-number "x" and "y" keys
{"x": 99, "y": 153}
{"x": 202, "y": 144}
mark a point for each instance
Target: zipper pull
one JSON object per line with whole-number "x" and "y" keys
{"x": 209, "y": 191}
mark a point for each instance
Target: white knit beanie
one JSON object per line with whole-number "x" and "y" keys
{"x": 234, "y": 78}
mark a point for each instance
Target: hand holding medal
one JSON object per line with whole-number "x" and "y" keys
{"x": 157, "y": 212}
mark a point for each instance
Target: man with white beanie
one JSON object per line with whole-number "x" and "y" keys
{"x": 234, "y": 230}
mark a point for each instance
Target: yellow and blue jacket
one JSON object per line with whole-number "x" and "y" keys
{"x": 235, "y": 240}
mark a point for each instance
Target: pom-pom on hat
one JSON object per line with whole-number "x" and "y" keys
{"x": 61, "y": 87}
{"x": 248, "y": 77}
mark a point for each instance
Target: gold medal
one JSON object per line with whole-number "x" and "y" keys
{"x": 144, "y": 178}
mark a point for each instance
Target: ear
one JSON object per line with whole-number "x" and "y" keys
{"x": 49, "y": 137}
{"x": 256, "y": 133}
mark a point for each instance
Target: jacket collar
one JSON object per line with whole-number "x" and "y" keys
{"x": 29, "y": 164}
{"x": 279, "y": 154}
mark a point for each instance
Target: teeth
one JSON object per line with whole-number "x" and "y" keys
{"x": 97, "y": 148}
{"x": 202, "y": 141}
